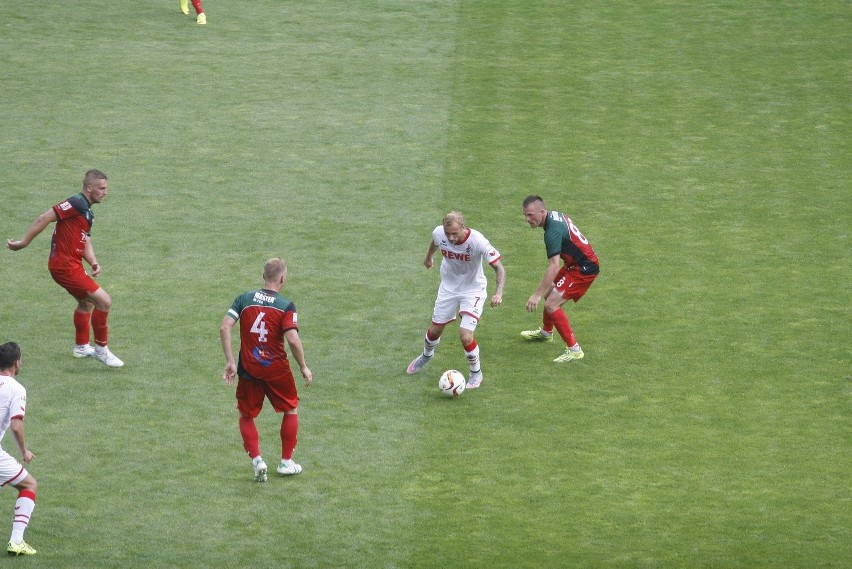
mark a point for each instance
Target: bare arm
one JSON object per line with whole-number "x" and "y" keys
{"x": 227, "y": 347}
{"x": 497, "y": 298}
{"x": 89, "y": 255}
{"x": 17, "y": 428}
{"x": 546, "y": 283}
{"x": 37, "y": 226}
{"x": 427, "y": 262}
{"x": 295, "y": 343}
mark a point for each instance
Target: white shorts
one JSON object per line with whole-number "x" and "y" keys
{"x": 11, "y": 471}
{"x": 468, "y": 305}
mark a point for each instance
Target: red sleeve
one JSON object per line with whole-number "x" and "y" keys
{"x": 64, "y": 210}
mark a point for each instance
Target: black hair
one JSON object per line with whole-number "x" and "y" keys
{"x": 10, "y": 352}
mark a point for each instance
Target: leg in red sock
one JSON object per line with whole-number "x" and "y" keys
{"x": 546, "y": 322}
{"x": 289, "y": 432}
{"x": 99, "y": 326}
{"x": 560, "y": 320}
{"x": 82, "y": 321}
{"x": 251, "y": 438}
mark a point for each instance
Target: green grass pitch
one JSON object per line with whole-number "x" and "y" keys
{"x": 702, "y": 147}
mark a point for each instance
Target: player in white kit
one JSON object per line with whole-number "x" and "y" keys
{"x": 13, "y": 406}
{"x": 463, "y": 291}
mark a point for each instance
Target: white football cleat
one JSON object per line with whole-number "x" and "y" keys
{"x": 259, "y": 469}
{"x": 83, "y": 350}
{"x": 288, "y": 467}
{"x": 107, "y": 357}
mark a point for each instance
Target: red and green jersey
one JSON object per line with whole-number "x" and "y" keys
{"x": 561, "y": 237}
{"x": 264, "y": 317}
{"x": 73, "y": 227}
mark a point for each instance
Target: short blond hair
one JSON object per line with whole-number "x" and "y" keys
{"x": 274, "y": 269}
{"x": 454, "y": 217}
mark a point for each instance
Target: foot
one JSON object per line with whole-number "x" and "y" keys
{"x": 569, "y": 356}
{"x": 19, "y": 549}
{"x": 83, "y": 350}
{"x": 259, "y": 469}
{"x": 201, "y": 19}
{"x": 474, "y": 381}
{"x": 537, "y": 335}
{"x": 107, "y": 357}
{"x": 288, "y": 467}
{"x": 184, "y": 6}
{"x": 417, "y": 364}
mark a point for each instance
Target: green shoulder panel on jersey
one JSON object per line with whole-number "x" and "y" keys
{"x": 261, "y": 298}
{"x": 555, "y": 233}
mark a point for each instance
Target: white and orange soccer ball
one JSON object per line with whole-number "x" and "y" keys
{"x": 452, "y": 383}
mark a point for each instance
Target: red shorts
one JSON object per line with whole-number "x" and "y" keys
{"x": 281, "y": 393}
{"x": 571, "y": 284}
{"x": 75, "y": 281}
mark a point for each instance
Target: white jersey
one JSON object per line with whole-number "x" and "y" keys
{"x": 13, "y": 402}
{"x": 461, "y": 265}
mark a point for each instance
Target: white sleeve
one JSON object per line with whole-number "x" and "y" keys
{"x": 18, "y": 404}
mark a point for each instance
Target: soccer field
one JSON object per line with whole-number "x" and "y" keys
{"x": 703, "y": 148}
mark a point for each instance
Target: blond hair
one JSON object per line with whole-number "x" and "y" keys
{"x": 452, "y": 218}
{"x": 274, "y": 269}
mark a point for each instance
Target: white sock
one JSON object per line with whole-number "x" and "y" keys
{"x": 473, "y": 360}
{"x": 429, "y": 346}
{"x": 24, "y": 507}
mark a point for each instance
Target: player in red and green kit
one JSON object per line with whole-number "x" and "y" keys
{"x": 580, "y": 267}
{"x": 267, "y": 319}
{"x": 70, "y": 244}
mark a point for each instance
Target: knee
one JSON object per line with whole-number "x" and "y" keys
{"x": 435, "y": 331}
{"x": 28, "y": 483}
{"x": 105, "y": 303}
{"x": 466, "y": 337}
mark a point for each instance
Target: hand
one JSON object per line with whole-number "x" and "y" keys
{"x": 496, "y": 300}
{"x": 308, "y": 375}
{"x": 427, "y": 262}
{"x": 230, "y": 373}
{"x": 15, "y": 245}
{"x": 27, "y": 456}
{"x": 532, "y": 303}
{"x": 96, "y": 269}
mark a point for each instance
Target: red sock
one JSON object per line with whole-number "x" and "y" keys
{"x": 251, "y": 438}
{"x": 289, "y": 430}
{"x": 560, "y": 320}
{"x": 81, "y": 327}
{"x": 99, "y": 325}
{"x": 546, "y": 322}
{"x": 197, "y": 5}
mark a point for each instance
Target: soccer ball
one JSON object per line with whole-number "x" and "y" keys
{"x": 452, "y": 383}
